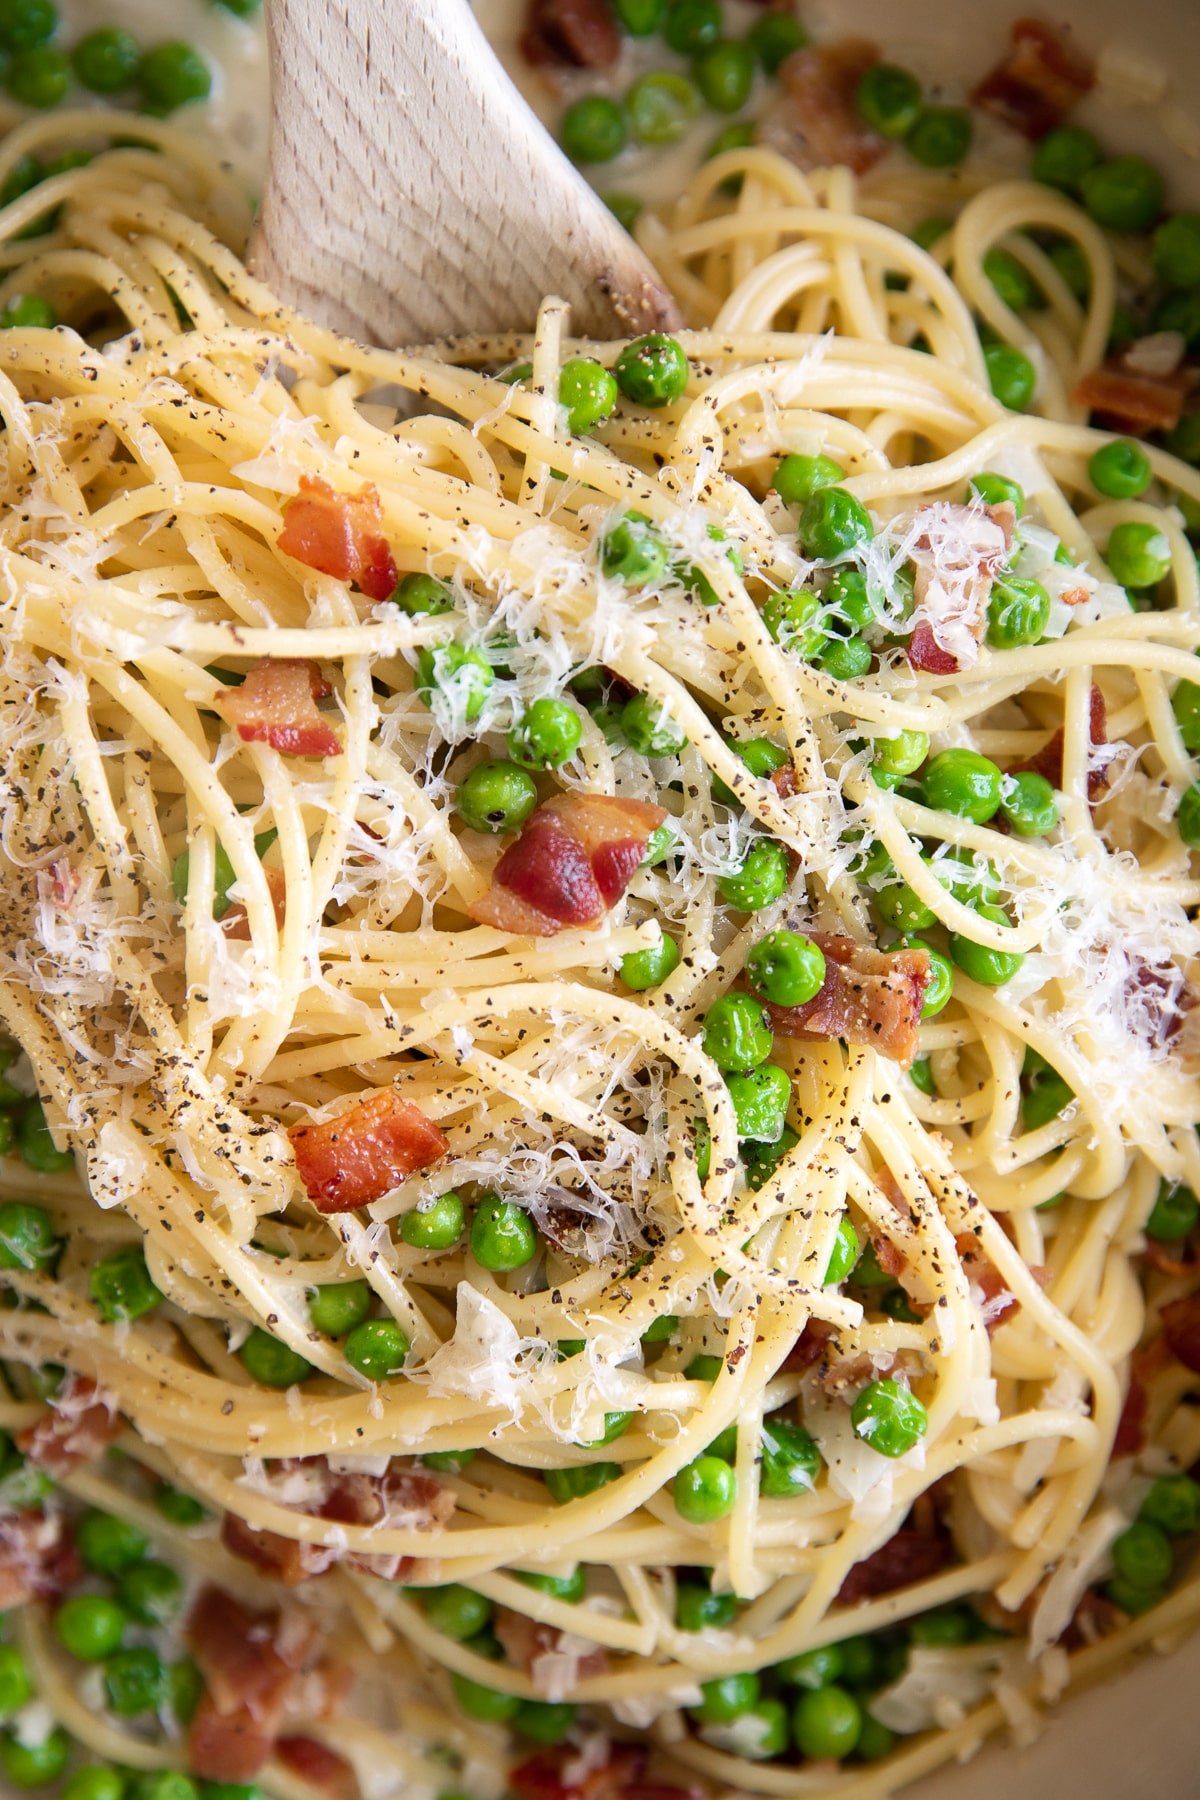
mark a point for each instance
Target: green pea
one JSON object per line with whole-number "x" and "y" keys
{"x": 151, "y": 1593}
{"x": 106, "y": 60}
{"x": 741, "y": 135}
{"x": 1011, "y": 280}
{"x": 422, "y": 596}
{"x": 970, "y": 881}
{"x": 1011, "y": 376}
{"x": 272, "y": 1363}
{"x": 16, "y": 1687}
{"x": 338, "y": 1306}
{"x": 1018, "y": 612}
{"x": 845, "y": 658}
{"x": 692, "y": 25}
{"x": 109, "y": 1545}
{"x": 24, "y": 23}
{"x": 798, "y": 478}
{"x": 963, "y": 782}
{"x": 436, "y": 1227}
{"x": 1132, "y": 1598}
{"x": 699, "y": 1609}
{"x": 704, "y": 1367}
{"x": 185, "y": 1689}
{"x": 1185, "y": 704}
{"x": 496, "y": 796}
{"x": 1184, "y": 442}
{"x": 1072, "y": 264}
{"x": 888, "y": 1417}
{"x": 845, "y": 1253}
{"x": 889, "y": 99}
{"x": 653, "y": 370}
{"x": 990, "y": 968}
{"x": 791, "y": 1461}
{"x": 546, "y": 736}
{"x": 121, "y": 1287}
{"x": 941, "y": 136}
{"x": 594, "y": 129}
{"x": 569, "y": 1588}
{"x": 726, "y": 1698}
{"x": 448, "y": 1462}
{"x": 724, "y": 73}
{"x": 1120, "y": 470}
{"x": 503, "y": 1236}
{"x": 705, "y": 1490}
{"x": 1028, "y": 804}
{"x": 179, "y": 1508}
{"x": 37, "y": 1145}
{"x": 569, "y": 1347}
{"x": 616, "y": 1424}
{"x": 833, "y": 523}
{"x": 34, "y": 1765}
{"x": 1187, "y": 819}
{"x": 649, "y": 729}
{"x": 487, "y": 1704}
{"x": 640, "y": 18}
{"x": 1047, "y": 1097}
{"x": 463, "y": 674}
{"x": 786, "y": 968}
{"x": 901, "y": 907}
{"x": 545, "y": 1721}
{"x": 377, "y": 1349}
{"x": 643, "y": 969}
{"x": 903, "y": 754}
{"x": 1064, "y": 156}
{"x": 1173, "y": 1505}
{"x": 760, "y": 1101}
{"x": 587, "y": 392}
{"x": 1176, "y": 251}
{"x": 793, "y": 620}
{"x": 578, "y": 1482}
{"x": 848, "y": 596}
{"x": 1123, "y": 194}
{"x": 1138, "y": 555}
{"x": 89, "y": 1627}
{"x": 459, "y": 1612}
{"x": 929, "y": 232}
{"x": 826, "y": 1724}
{"x": 812, "y": 1669}
{"x": 626, "y": 209}
{"x": 774, "y": 37}
{"x": 921, "y": 1075}
{"x": 633, "y": 552}
{"x": 737, "y": 1033}
{"x": 135, "y": 1682}
{"x": 172, "y": 75}
{"x": 942, "y": 1628}
{"x": 661, "y": 106}
{"x": 164, "y": 1784}
{"x": 1174, "y": 1214}
{"x": 660, "y": 1330}
{"x": 761, "y": 1160}
{"x": 38, "y": 77}
{"x": 761, "y": 879}
{"x": 1142, "y": 1556}
{"x": 96, "y": 1782}
{"x": 27, "y": 1237}
{"x": 760, "y": 756}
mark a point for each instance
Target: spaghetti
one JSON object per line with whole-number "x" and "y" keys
{"x": 221, "y": 934}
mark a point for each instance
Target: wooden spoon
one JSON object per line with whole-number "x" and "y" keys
{"x": 411, "y": 193}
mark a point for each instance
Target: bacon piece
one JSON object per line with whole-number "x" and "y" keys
{"x": 889, "y": 1256}
{"x": 573, "y": 34}
{"x": 996, "y": 1302}
{"x": 37, "y": 1557}
{"x": 366, "y": 1151}
{"x": 927, "y": 655}
{"x": 339, "y": 535}
{"x": 572, "y": 861}
{"x": 226, "y": 1746}
{"x": 1181, "y": 1330}
{"x": 277, "y": 705}
{"x": 810, "y": 1346}
{"x": 1158, "y": 1001}
{"x": 871, "y": 997}
{"x": 319, "y": 1766}
{"x": 564, "y": 1775}
{"x": 816, "y": 122}
{"x": 1038, "y": 82}
{"x": 1049, "y": 759}
{"x": 784, "y": 781}
{"x": 284, "y": 1559}
{"x": 526, "y": 1641}
{"x": 907, "y": 1557}
{"x": 1137, "y": 403}
{"x": 236, "y": 925}
{"x": 1131, "y": 1426}
{"x": 250, "y": 1663}
{"x": 78, "y": 1427}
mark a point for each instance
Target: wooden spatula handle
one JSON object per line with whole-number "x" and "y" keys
{"x": 412, "y": 193}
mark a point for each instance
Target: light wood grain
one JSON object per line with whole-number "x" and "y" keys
{"x": 411, "y": 192}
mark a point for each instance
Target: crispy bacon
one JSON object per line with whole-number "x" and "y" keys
{"x": 927, "y": 655}
{"x": 339, "y": 535}
{"x": 236, "y": 925}
{"x": 565, "y": 1775}
{"x": 78, "y": 1427}
{"x": 526, "y": 1641}
{"x": 277, "y": 705}
{"x": 810, "y": 1346}
{"x": 37, "y": 1557}
{"x": 228, "y": 1747}
{"x": 319, "y": 1766}
{"x": 1126, "y": 400}
{"x": 1181, "y": 1330}
{"x": 250, "y": 1663}
{"x": 871, "y": 997}
{"x": 573, "y": 860}
{"x": 784, "y": 781}
{"x": 907, "y": 1557}
{"x": 958, "y": 555}
{"x": 996, "y": 1301}
{"x": 1049, "y": 759}
{"x": 410, "y": 1499}
{"x": 1038, "y": 82}
{"x": 363, "y": 1153}
{"x": 284, "y": 1559}
{"x": 575, "y": 34}
{"x": 816, "y": 122}
{"x": 889, "y": 1255}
